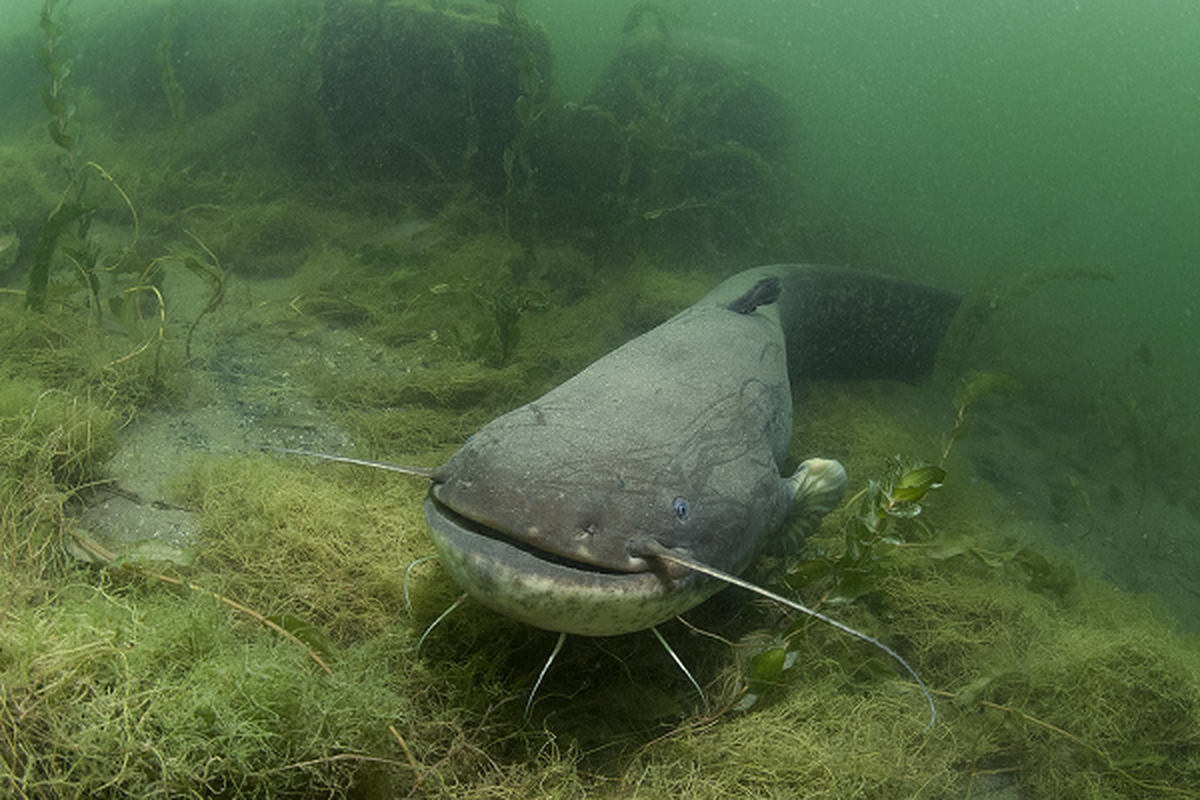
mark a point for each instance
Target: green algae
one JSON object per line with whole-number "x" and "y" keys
{"x": 134, "y": 692}
{"x": 51, "y": 445}
{"x": 322, "y": 545}
{"x": 183, "y": 694}
{"x": 1089, "y": 696}
{"x": 1060, "y": 689}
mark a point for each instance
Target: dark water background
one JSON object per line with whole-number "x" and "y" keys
{"x": 954, "y": 139}
{"x": 963, "y": 138}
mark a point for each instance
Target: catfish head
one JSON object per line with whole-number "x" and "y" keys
{"x": 561, "y": 484}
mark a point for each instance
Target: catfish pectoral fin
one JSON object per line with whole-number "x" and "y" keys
{"x": 816, "y": 488}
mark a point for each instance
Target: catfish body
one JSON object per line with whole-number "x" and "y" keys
{"x": 674, "y": 442}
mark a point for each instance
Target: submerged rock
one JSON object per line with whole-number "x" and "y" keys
{"x": 415, "y": 90}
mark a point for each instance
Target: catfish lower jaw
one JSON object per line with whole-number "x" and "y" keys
{"x": 466, "y": 525}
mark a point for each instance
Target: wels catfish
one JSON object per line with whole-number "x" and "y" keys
{"x": 652, "y": 479}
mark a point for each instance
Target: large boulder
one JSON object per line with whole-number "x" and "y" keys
{"x": 674, "y": 151}
{"x": 420, "y": 91}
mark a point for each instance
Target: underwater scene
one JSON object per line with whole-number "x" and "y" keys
{"x": 237, "y": 233}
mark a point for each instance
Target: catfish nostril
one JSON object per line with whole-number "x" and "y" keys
{"x": 682, "y": 508}
{"x": 591, "y": 529}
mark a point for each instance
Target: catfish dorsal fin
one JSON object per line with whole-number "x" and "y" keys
{"x": 656, "y": 550}
{"x": 763, "y": 293}
{"x": 431, "y": 473}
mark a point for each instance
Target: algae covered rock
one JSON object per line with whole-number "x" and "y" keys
{"x": 674, "y": 151}
{"x": 415, "y": 90}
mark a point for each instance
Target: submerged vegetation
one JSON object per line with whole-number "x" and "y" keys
{"x": 1069, "y": 689}
{"x": 391, "y": 316}
{"x": 282, "y": 660}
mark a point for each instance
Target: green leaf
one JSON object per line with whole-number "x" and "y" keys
{"x": 926, "y": 476}
{"x": 969, "y": 694}
{"x": 53, "y": 103}
{"x": 905, "y": 510}
{"x": 46, "y": 58}
{"x": 855, "y": 584}
{"x": 916, "y": 483}
{"x": 39, "y": 273}
{"x": 812, "y": 569}
{"x": 61, "y": 139}
{"x": 768, "y": 665}
{"x": 947, "y": 546}
{"x": 765, "y": 669}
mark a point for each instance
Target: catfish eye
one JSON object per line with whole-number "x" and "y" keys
{"x": 682, "y": 509}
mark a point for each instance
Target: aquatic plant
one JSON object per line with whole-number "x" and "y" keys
{"x": 164, "y": 54}
{"x": 158, "y": 688}
{"x": 208, "y": 269}
{"x": 99, "y": 701}
{"x": 311, "y": 14}
{"x": 494, "y": 332}
{"x": 881, "y": 517}
{"x": 997, "y": 299}
{"x": 55, "y": 96}
{"x": 73, "y": 208}
{"x": 64, "y": 132}
{"x": 878, "y": 521}
{"x": 528, "y": 108}
{"x": 974, "y": 387}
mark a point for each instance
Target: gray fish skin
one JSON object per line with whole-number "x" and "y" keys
{"x": 677, "y": 439}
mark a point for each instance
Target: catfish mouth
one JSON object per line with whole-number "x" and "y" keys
{"x": 550, "y": 591}
{"x": 471, "y": 527}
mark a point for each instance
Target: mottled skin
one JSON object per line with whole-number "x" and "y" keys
{"x": 551, "y": 513}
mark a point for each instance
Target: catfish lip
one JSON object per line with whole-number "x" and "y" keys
{"x": 478, "y": 528}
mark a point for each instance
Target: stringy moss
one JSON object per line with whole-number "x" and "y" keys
{"x": 865, "y": 424}
{"x": 115, "y": 683}
{"x": 136, "y": 689}
{"x": 1125, "y": 687}
{"x": 428, "y": 435}
{"x": 822, "y": 742}
{"x": 328, "y": 544}
{"x": 51, "y": 443}
{"x": 63, "y": 350}
{"x": 1087, "y": 696}
{"x": 137, "y": 692}
{"x": 1120, "y": 689}
{"x": 413, "y": 382}
{"x": 459, "y": 386}
{"x": 50, "y": 434}
{"x": 1131, "y": 696}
